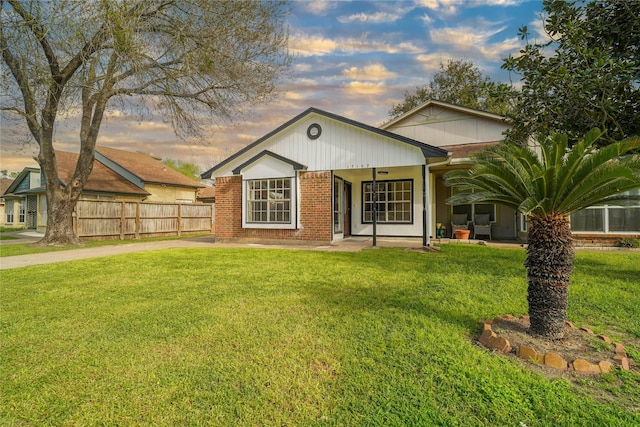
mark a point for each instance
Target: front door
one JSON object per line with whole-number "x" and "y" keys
{"x": 338, "y": 207}
{"x": 347, "y": 209}
{"x": 341, "y": 208}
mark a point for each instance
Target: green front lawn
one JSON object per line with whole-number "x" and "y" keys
{"x": 33, "y": 248}
{"x": 253, "y": 337}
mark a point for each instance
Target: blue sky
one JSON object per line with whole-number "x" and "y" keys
{"x": 353, "y": 58}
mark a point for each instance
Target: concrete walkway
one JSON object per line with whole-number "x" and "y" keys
{"x": 352, "y": 244}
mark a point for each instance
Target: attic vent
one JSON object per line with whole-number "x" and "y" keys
{"x": 314, "y": 131}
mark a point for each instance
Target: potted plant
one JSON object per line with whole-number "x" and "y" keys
{"x": 462, "y": 234}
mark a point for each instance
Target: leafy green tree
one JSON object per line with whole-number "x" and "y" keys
{"x": 4, "y": 173}
{"x": 459, "y": 82}
{"x": 187, "y": 169}
{"x": 190, "y": 61}
{"x": 587, "y": 75}
{"x": 547, "y": 188}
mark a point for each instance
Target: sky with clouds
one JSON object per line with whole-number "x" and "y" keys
{"x": 352, "y": 58}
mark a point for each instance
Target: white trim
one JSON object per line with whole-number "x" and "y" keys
{"x": 523, "y": 226}
{"x": 605, "y": 219}
{"x": 293, "y": 204}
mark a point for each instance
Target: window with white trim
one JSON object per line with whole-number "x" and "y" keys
{"x": 8, "y": 207}
{"x": 269, "y": 201}
{"x": 524, "y": 226}
{"x": 394, "y": 202}
{"x": 608, "y": 218}
{"x": 22, "y": 208}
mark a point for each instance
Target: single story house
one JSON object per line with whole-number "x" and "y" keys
{"x": 116, "y": 175}
{"x": 322, "y": 177}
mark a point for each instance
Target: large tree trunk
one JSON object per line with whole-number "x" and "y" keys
{"x": 549, "y": 263}
{"x": 60, "y": 220}
{"x": 61, "y": 201}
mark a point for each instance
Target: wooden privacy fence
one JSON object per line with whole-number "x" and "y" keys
{"x": 98, "y": 219}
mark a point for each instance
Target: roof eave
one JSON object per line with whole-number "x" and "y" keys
{"x": 296, "y": 166}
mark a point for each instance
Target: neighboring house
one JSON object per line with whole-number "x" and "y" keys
{"x": 21, "y": 200}
{"x": 207, "y": 194}
{"x": 161, "y": 182}
{"x": 116, "y": 175}
{"x": 315, "y": 178}
{"x": 4, "y": 184}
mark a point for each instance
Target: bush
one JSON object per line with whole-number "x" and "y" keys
{"x": 628, "y": 243}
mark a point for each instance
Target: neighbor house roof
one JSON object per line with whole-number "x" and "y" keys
{"x": 207, "y": 194}
{"x": 464, "y": 151}
{"x": 4, "y": 184}
{"x": 102, "y": 179}
{"x": 144, "y": 167}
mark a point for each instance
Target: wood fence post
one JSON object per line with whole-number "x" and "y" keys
{"x": 137, "y": 233}
{"x": 212, "y": 223}
{"x": 123, "y": 219}
{"x": 74, "y": 219}
{"x": 179, "y": 219}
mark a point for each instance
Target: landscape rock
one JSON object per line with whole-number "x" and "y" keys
{"x": 620, "y": 351}
{"x": 584, "y": 367}
{"x": 486, "y": 335}
{"x": 555, "y": 361}
{"x": 529, "y": 353}
{"x": 605, "y": 367}
{"x": 605, "y": 338}
{"x": 624, "y": 364}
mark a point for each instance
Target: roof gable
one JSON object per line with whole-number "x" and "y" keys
{"x": 297, "y": 125}
{"x": 102, "y": 179}
{"x": 23, "y": 181}
{"x": 294, "y": 165}
{"x": 444, "y": 105}
{"x": 442, "y": 125}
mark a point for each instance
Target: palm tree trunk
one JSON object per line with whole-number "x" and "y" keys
{"x": 549, "y": 263}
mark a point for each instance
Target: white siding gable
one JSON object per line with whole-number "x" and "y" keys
{"x": 267, "y": 167}
{"x": 440, "y": 126}
{"x": 340, "y": 146}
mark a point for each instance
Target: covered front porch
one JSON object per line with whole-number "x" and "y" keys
{"x": 410, "y": 202}
{"x": 505, "y": 223}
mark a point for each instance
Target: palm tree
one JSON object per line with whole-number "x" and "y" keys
{"x": 547, "y": 183}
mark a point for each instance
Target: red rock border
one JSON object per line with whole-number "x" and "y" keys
{"x": 493, "y": 341}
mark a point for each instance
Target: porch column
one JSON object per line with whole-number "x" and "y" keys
{"x": 374, "y": 211}
{"x": 425, "y": 211}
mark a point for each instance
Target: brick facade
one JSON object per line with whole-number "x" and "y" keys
{"x": 316, "y": 206}
{"x": 315, "y": 211}
{"x": 602, "y": 239}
